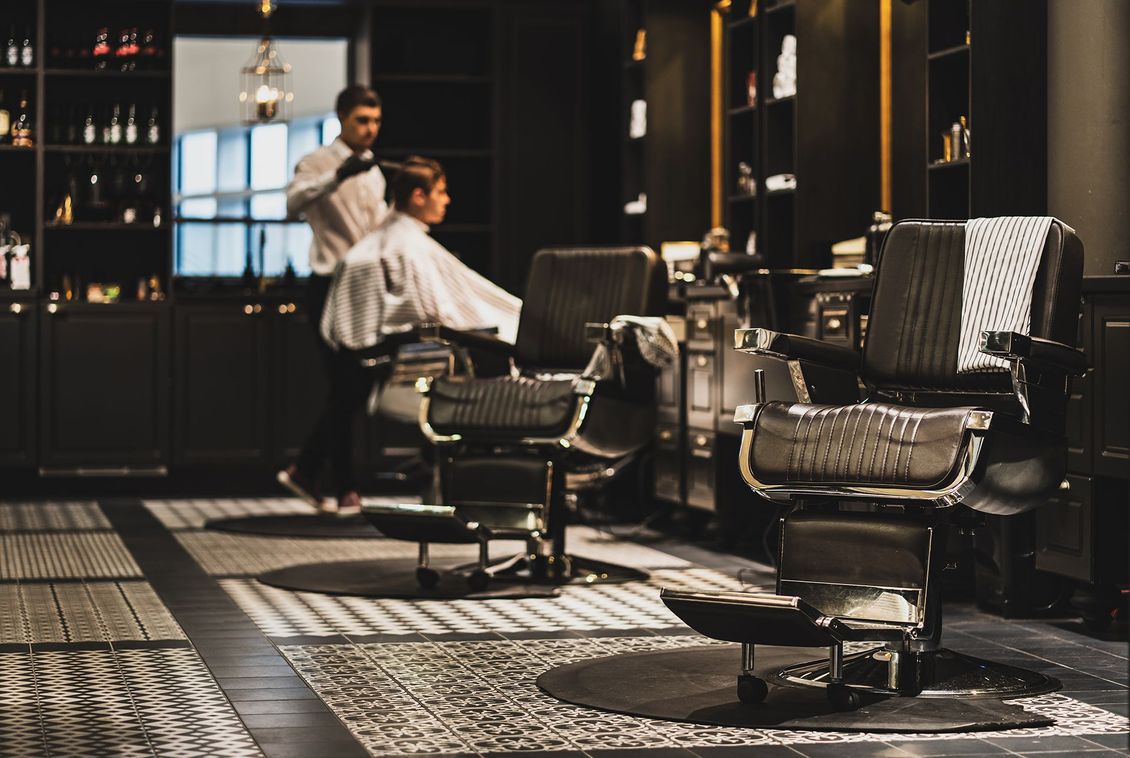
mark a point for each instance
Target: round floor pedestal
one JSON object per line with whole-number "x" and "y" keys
{"x": 699, "y": 685}
{"x": 310, "y": 525}
{"x": 394, "y": 579}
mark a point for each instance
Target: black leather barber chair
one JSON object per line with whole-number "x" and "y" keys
{"x": 874, "y": 486}
{"x": 512, "y": 451}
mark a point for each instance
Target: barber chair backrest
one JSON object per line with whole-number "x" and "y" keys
{"x": 912, "y": 339}
{"x": 568, "y": 287}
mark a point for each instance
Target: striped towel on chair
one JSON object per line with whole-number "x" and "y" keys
{"x": 1002, "y": 256}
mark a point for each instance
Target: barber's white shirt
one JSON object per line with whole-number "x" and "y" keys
{"x": 339, "y": 213}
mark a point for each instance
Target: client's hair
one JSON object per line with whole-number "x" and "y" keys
{"x": 415, "y": 173}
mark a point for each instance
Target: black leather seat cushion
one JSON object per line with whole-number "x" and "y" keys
{"x": 865, "y": 444}
{"x": 501, "y": 406}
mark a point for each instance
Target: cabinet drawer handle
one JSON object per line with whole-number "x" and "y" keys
{"x": 257, "y": 308}
{"x": 52, "y": 308}
{"x": 16, "y": 308}
{"x": 834, "y": 323}
{"x": 247, "y": 309}
{"x": 700, "y": 440}
{"x": 666, "y": 435}
{"x": 282, "y": 308}
{"x": 290, "y": 308}
{"x": 701, "y": 324}
{"x": 700, "y": 361}
{"x": 702, "y": 454}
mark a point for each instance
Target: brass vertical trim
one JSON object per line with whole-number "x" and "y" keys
{"x": 885, "y": 104}
{"x": 717, "y": 105}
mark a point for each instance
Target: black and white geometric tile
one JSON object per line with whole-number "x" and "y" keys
{"x": 178, "y": 514}
{"x": 55, "y": 516}
{"x": 83, "y": 612}
{"x": 65, "y": 555}
{"x": 227, "y": 554}
{"x": 634, "y": 605}
{"x": 479, "y": 696}
{"x": 116, "y": 702}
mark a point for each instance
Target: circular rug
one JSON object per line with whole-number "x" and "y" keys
{"x": 393, "y": 579}
{"x": 698, "y": 685}
{"x": 313, "y": 525}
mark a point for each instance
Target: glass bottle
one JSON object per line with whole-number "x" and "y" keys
{"x": 131, "y": 125}
{"x": 89, "y": 128}
{"x": 22, "y": 135}
{"x": 12, "y": 50}
{"x": 27, "y": 49}
{"x": 153, "y": 128}
{"x": 5, "y": 120}
{"x": 100, "y": 52}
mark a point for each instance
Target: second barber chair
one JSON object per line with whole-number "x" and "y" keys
{"x": 873, "y": 486}
{"x": 513, "y": 450}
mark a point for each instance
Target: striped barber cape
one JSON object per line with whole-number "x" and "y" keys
{"x": 399, "y": 277}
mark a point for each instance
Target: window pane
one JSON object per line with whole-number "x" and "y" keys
{"x": 201, "y": 207}
{"x": 198, "y": 163}
{"x": 232, "y": 207}
{"x": 331, "y": 127}
{"x": 298, "y": 238}
{"x": 269, "y": 205}
{"x": 195, "y": 249}
{"x": 304, "y": 139}
{"x": 268, "y": 156}
{"x": 231, "y": 249}
{"x": 233, "y": 160}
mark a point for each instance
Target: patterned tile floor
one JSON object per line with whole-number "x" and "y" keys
{"x": 132, "y": 630}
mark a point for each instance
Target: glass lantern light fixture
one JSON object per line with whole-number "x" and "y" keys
{"x": 265, "y": 94}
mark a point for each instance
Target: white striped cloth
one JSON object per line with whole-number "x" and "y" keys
{"x": 399, "y": 277}
{"x": 1002, "y": 256}
{"x": 654, "y": 338}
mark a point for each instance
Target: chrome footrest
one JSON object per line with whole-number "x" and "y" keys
{"x": 459, "y": 523}
{"x": 756, "y": 619}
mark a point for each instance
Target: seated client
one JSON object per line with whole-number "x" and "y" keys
{"x": 398, "y": 276}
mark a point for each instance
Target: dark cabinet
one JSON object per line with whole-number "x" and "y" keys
{"x": 104, "y": 387}
{"x": 1111, "y": 360}
{"x": 249, "y": 382}
{"x": 297, "y": 379}
{"x": 222, "y": 364}
{"x": 17, "y": 383}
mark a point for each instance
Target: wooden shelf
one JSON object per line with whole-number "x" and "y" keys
{"x": 109, "y": 149}
{"x": 431, "y": 79}
{"x": 108, "y": 73}
{"x": 742, "y": 110}
{"x": 735, "y": 199}
{"x": 110, "y": 226}
{"x": 745, "y": 21}
{"x": 948, "y": 164}
{"x": 14, "y": 149}
{"x": 776, "y": 100}
{"x": 19, "y": 71}
{"x": 947, "y": 52}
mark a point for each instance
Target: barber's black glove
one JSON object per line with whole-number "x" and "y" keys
{"x": 354, "y": 165}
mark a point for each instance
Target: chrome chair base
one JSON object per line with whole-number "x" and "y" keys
{"x": 944, "y": 673}
{"x": 556, "y": 569}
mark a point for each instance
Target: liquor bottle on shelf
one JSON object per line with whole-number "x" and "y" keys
{"x": 12, "y": 50}
{"x": 153, "y": 128}
{"x": 72, "y": 130}
{"x": 27, "y": 49}
{"x": 130, "y": 133}
{"x": 5, "y": 120}
{"x": 22, "y": 135}
{"x": 16, "y": 255}
{"x": 65, "y": 210}
{"x": 89, "y": 134}
{"x": 148, "y": 52}
{"x": 100, "y": 52}
{"x": 94, "y": 205}
{"x": 127, "y": 49}
{"x": 114, "y": 126}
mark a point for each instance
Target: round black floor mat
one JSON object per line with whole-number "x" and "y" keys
{"x": 698, "y": 685}
{"x": 392, "y": 579}
{"x": 313, "y": 525}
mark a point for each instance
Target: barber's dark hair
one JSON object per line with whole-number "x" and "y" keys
{"x": 415, "y": 173}
{"x": 353, "y": 96}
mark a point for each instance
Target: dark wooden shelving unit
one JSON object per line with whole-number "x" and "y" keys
{"x": 670, "y": 162}
{"x": 985, "y": 60}
{"x": 827, "y": 134}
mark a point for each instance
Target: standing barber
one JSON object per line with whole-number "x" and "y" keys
{"x": 341, "y": 192}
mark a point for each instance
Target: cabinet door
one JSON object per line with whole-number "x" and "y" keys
{"x": 1111, "y": 324}
{"x": 221, "y": 383}
{"x": 701, "y": 482}
{"x": 1080, "y": 403}
{"x": 668, "y": 464}
{"x": 702, "y": 403}
{"x": 104, "y": 389}
{"x": 17, "y": 383}
{"x": 1064, "y": 532}
{"x": 298, "y": 381}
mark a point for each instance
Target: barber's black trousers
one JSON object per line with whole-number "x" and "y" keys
{"x": 349, "y": 385}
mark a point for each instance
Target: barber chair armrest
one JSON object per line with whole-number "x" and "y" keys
{"x": 794, "y": 347}
{"x": 465, "y": 339}
{"x": 1034, "y": 352}
{"x": 385, "y": 350}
